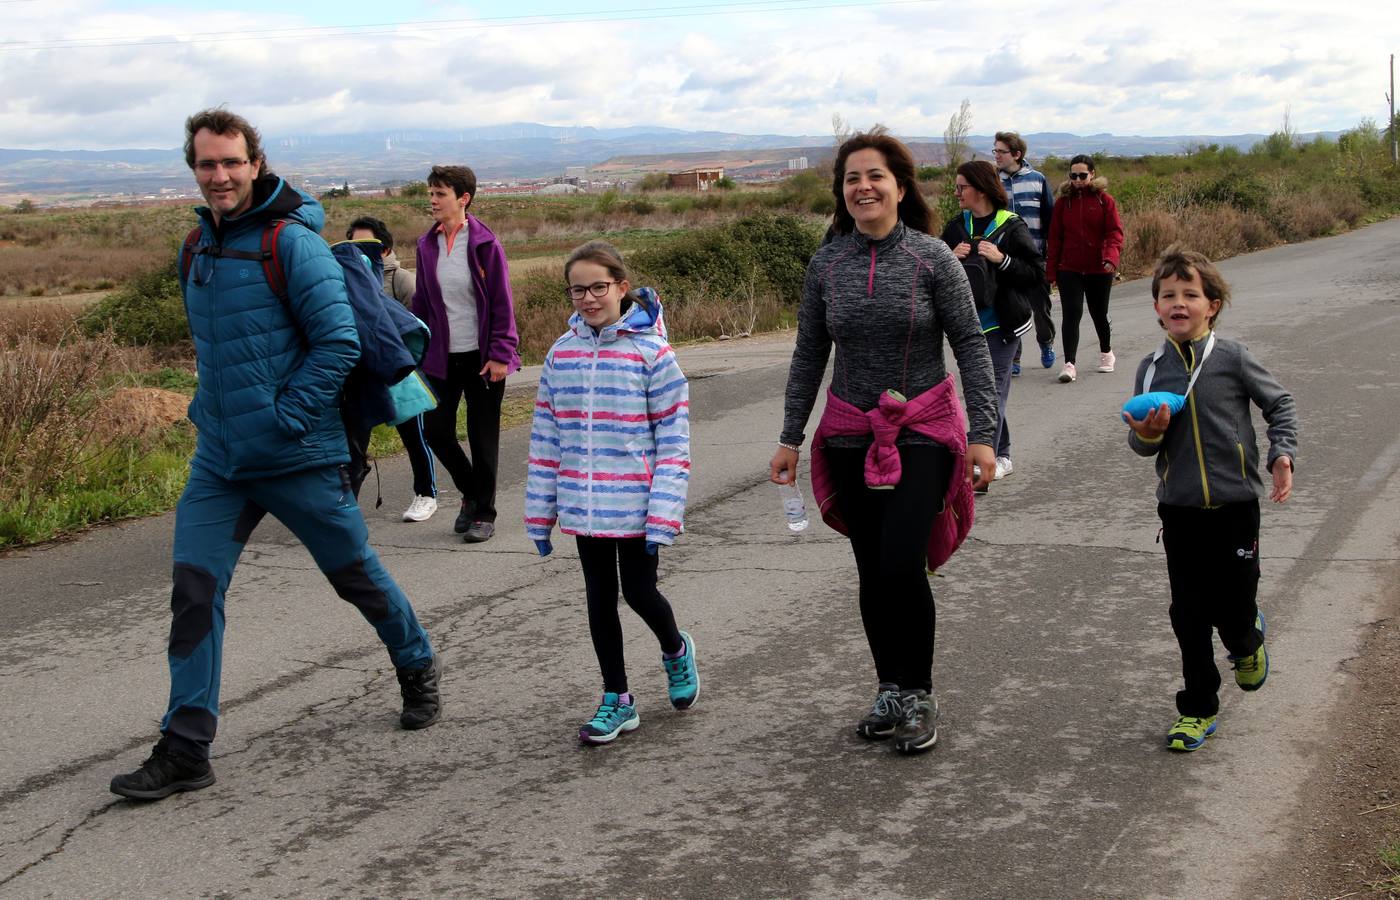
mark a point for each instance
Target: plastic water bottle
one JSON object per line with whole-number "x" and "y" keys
{"x": 794, "y": 510}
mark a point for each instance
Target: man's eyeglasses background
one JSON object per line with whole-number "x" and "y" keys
{"x": 210, "y": 166}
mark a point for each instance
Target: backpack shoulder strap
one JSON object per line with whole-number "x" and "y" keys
{"x": 273, "y": 271}
{"x": 187, "y": 250}
{"x": 1001, "y": 218}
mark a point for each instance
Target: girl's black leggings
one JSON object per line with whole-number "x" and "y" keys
{"x": 602, "y": 560}
{"x": 889, "y": 532}
{"x": 1075, "y": 289}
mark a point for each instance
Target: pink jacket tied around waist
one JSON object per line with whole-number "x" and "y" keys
{"x": 936, "y": 414}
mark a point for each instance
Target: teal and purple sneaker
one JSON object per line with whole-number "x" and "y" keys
{"x": 616, "y": 713}
{"x": 682, "y": 678}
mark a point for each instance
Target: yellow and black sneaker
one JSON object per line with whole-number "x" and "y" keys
{"x": 1190, "y": 732}
{"x": 1252, "y": 670}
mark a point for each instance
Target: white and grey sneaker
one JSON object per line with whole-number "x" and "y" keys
{"x": 918, "y": 728}
{"x": 1003, "y": 468}
{"x": 421, "y": 509}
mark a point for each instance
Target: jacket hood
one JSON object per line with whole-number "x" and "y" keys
{"x": 1098, "y": 184}
{"x": 390, "y": 263}
{"x": 643, "y": 316}
{"x": 273, "y": 198}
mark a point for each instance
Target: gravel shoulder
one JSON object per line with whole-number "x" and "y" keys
{"x": 1348, "y": 811}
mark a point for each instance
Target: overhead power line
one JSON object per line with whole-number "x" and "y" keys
{"x": 479, "y": 24}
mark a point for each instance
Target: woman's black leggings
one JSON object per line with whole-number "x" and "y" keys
{"x": 889, "y": 532}
{"x": 602, "y": 559}
{"x": 1075, "y": 288}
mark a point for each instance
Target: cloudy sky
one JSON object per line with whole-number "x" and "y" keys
{"x": 94, "y": 74}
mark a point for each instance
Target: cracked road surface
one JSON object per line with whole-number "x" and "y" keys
{"x": 1055, "y": 666}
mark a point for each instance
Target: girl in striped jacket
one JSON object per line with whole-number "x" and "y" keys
{"x": 610, "y": 463}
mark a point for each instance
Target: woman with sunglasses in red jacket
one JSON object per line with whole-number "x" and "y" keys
{"x": 1081, "y": 256}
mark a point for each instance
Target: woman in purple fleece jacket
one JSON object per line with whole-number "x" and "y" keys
{"x": 463, "y": 295}
{"x": 886, "y": 293}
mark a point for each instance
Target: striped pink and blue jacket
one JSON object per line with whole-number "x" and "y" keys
{"x": 610, "y": 442}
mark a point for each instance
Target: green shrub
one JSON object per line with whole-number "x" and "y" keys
{"x": 148, "y": 311}
{"x": 559, "y": 213}
{"x": 762, "y": 253}
{"x": 606, "y": 203}
{"x": 656, "y": 181}
{"x": 801, "y": 191}
{"x": 640, "y": 206}
{"x": 1238, "y": 188}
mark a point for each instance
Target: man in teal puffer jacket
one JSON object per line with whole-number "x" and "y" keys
{"x": 270, "y": 441}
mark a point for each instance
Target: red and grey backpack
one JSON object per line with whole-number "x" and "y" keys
{"x": 267, "y": 255}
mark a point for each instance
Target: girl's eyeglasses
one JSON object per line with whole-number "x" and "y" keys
{"x": 1078, "y": 176}
{"x": 597, "y": 289}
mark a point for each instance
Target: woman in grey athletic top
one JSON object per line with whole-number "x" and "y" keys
{"x": 886, "y": 294}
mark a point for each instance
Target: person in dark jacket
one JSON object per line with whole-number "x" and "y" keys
{"x": 885, "y": 294}
{"x": 398, "y": 283}
{"x": 463, "y": 294}
{"x": 986, "y": 230}
{"x": 1082, "y": 256}
{"x": 270, "y": 440}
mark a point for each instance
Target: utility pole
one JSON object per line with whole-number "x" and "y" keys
{"x": 1394, "y": 139}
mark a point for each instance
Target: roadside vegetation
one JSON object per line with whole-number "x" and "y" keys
{"x": 80, "y": 443}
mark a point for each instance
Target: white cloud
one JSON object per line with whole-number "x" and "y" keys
{"x": 1069, "y": 66}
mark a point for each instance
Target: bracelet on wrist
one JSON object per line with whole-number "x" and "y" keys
{"x": 795, "y": 448}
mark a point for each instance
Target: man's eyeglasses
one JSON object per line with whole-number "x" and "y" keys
{"x": 210, "y": 166}
{"x": 1000, "y": 152}
{"x": 1078, "y": 176}
{"x": 597, "y": 289}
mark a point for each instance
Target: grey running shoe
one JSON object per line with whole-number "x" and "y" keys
{"x": 479, "y": 532}
{"x": 918, "y": 729}
{"x": 884, "y": 715}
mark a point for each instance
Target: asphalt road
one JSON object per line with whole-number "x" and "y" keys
{"x": 1055, "y": 666}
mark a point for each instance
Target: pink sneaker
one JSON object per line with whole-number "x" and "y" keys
{"x": 1067, "y": 373}
{"x": 1106, "y": 362}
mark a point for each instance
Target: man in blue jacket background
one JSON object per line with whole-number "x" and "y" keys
{"x": 270, "y": 440}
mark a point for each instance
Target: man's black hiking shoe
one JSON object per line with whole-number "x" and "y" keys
{"x": 422, "y": 705}
{"x": 164, "y": 772}
{"x": 466, "y": 514}
{"x": 918, "y": 730}
{"x": 884, "y": 716}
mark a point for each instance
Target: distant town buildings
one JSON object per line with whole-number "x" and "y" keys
{"x": 798, "y": 164}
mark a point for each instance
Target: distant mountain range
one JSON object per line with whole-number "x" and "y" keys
{"x": 501, "y": 153}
